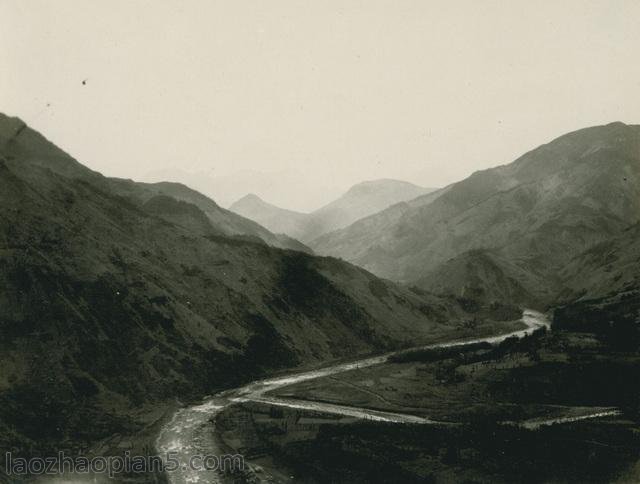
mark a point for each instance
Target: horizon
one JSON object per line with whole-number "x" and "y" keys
{"x": 302, "y": 99}
{"x": 228, "y": 204}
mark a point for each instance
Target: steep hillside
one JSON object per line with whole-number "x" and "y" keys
{"x": 225, "y": 221}
{"x": 483, "y": 275}
{"x": 533, "y": 215}
{"x": 115, "y": 295}
{"x": 359, "y": 201}
{"x": 42, "y": 153}
{"x": 602, "y": 289}
{"x": 229, "y": 222}
{"x": 613, "y": 266}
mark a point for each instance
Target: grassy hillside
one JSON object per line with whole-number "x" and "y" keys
{"x": 113, "y": 298}
{"x": 532, "y": 216}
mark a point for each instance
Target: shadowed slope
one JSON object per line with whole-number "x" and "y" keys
{"x": 114, "y": 296}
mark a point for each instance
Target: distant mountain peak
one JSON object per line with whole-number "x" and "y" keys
{"x": 380, "y": 184}
{"x": 361, "y": 200}
{"x": 382, "y": 181}
{"x": 250, "y": 197}
{"x": 617, "y": 123}
{"x": 251, "y": 201}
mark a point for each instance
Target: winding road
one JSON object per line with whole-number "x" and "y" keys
{"x": 189, "y": 432}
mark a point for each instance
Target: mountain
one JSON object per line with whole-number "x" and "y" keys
{"x": 602, "y": 289}
{"x": 281, "y": 187}
{"x": 229, "y": 222}
{"x": 117, "y": 295}
{"x": 506, "y": 232}
{"x": 276, "y": 219}
{"x": 226, "y": 222}
{"x": 484, "y": 275}
{"x": 610, "y": 267}
{"x": 359, "y": 201}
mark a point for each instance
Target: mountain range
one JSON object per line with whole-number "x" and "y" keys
{"x": 513, "y": 232}
{"x": 359, "y": 201}
{"x": 117, "y": 294}
{"x": 280, "y": 186}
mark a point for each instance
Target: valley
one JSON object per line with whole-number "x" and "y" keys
{"x": 528, "y": 410}
{"x": 348, "y": 242}
{"x": 119, "y": 298}
{"x": 125, "y": 302}
{"x": 192, "y": 430}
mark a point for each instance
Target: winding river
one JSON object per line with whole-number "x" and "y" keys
{"x": 189, "y": 432}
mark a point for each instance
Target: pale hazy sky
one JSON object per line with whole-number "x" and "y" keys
{"x": 327, "y": 92}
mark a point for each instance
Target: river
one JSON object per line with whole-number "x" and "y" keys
{"x": 190, "y": 430}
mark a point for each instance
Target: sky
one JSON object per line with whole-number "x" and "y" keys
{"x": 298, "y": 100}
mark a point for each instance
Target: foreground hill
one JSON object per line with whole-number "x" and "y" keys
{"x": 507, "y": 232}
{"x": 359, "y": 201}
{"x": 116, "y": 294}
{"x": 602, "y": 290}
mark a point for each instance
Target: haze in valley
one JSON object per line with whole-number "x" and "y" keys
{"x": 298, "y": 101}
{"x": 350, "y": 242}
